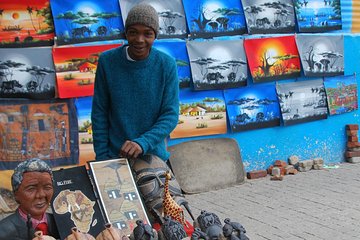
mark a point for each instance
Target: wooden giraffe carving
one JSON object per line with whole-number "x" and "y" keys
{"x": 171, "y": 208}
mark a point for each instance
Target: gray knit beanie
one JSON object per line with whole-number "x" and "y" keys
{"x": 143, "y": 14}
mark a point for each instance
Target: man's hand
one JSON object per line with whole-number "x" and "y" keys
{"x": 130, "y": 149}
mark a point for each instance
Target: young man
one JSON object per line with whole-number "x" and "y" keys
{"x": 32, "y": 184}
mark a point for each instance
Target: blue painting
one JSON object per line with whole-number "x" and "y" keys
{"x": 212, "y": 18}
{"x": 86, "y": 21}
{"x": 252, "y": 107}
{"x": 318, "y": 15}
{"x": 177, "y": 49}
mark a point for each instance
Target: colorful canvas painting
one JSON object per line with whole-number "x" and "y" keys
{"x": 265, "y": 16}
{"x": 177, "y": 49}
{"x": 318, "y": 15}
{"x": 342, "y": 94}
{"x": 45, "y": 129}
{"x": 217, "y": 64}
{"x": 86, "y": 149}
{"x": 26, "y": 23}
{"x": 75, "y": 69}
{"x": 24, "y": 76}
{"x": 321, "y": 55}
{"x": 355, "y": 26}
{"x": 212, "y": 18}
{"x": 86, "y": 21}
{"x": 274, "y": 58}
{"x": 201, "y": 113}
{"x": 171, "y": 15}
{"x": 302, "y": 101}
{"x": 252, "y": 107}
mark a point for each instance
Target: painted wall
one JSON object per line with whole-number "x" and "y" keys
{"x": 325, "y": 138}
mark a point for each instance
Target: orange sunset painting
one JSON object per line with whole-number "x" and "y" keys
{"x": 273, "y": 58}
{"x": 26, "y": 23}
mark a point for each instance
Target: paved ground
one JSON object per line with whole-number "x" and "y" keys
{"x": 319, "y": 204}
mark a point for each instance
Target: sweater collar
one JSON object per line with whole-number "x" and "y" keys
{"x": 138, "y": 63}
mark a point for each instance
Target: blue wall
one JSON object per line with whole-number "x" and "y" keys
{"x": 325, "y": 138}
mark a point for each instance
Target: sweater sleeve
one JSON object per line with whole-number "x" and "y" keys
{"x": 100, "y": 113}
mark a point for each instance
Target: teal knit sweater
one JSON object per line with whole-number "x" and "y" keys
{"x": 134, "y": 100}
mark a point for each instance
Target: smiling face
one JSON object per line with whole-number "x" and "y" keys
{"x": 140, "y": 39}
{"x": 35, "y": 193}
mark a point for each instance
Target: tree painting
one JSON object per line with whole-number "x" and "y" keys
{"x": 272, "y": 58}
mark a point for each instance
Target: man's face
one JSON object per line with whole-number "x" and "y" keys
{"x": 140, "y": 39}
{"x": 34, "y": 193}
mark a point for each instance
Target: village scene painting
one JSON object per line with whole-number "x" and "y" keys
{"x": 321, "y": 56}
{"x": 302, "y": 101}
{"x": 342, "y": 94}
{"x": 76, "y": 68}
{"x": 213, "y": 18}
{"x": 274, "y": 58}
{"x": 264, "y": 16}
{"x": 318, "y": 15}
{"x": 172, "y": 20}
{"x": 217, "y": 64}
{"x": 201, "y": 113}
{"x": 86, "y": 21}
{"x": 26, "y": 23}
{"x": 252, "y": 107}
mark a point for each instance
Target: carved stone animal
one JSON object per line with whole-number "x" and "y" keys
{"x": 143, "y": 231}
{"x": 9, "y": 86}
{"x": 172, "y": 230}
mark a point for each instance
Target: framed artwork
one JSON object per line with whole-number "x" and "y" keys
{"x": 74, "y": 202}
{"x": 76, "y": 67}
{"x": 24, "y": 76}
{"x": 26, "y": 23}
{"x": 302, "y": 101}
{"x": 342, "y": 94}
{"x": 318, "y": 15}
{"x": 201, "y": 113}
{"x": 321, "y": 55}
{"x": 355, "y": 26}
{"x": 208, "y": 18}
{"x": 264, "y": 16}
{"x": 274, "y": 58}
{"x": 118, "y": 193}
{"x": 217, "y": 64}
{"x": 252, "y": 107}
{"x": 86, "y": 21}
{"x": 171, "y": 15}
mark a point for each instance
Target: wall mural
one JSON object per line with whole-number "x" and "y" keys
{"x": 273, "y": 58}
{"x": 318, "y": 15}
{"x": 252, "y": 108}
{"x": 217, "y": 64}
{"x": 24, "y": 76}
{"x": 211, "y": 18}
{"x": 302, "y": 101}
{"x": 321, "y": 55}
{"x": 342, "y": 94}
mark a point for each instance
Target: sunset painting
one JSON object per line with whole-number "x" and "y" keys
{"x": 26, "y": 23}
{"x": 75, "y": 69}
{"x": 274, "y": 58}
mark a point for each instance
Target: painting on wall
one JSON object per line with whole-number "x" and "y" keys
{"x": 177, "y": 49}
{"x": 265, "y": 16}
{"x": 76, "y": 67}
{"x": 355, "y": 26}
{"x": 26, "y": 23}
{"x": 318, "y": 15}
{"x": 24, "y": 76}
{"x": 252, "y": 107}
{"x": 302, "y": 101}
{"x": 209, "y": 18}
{"x": 172, "y": 21}
{"x": 274, "y": 58}
{"x": 45, "y": 129}
{"x": 217, "y": 64}
{"x": 342, "y": 94}
{"x": 201, "y": 113}
{"x": 86, "y": 21}
{"x": 321, "y": 55}
{"x": 120, "y": 199}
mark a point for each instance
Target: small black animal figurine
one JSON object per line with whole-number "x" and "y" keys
{"x": 143, "y": 231}
{"x": 234, "y": 230}
{"x": 173, "y": 230}
{"x": 210, "y": 224}
{"x": 198, "y": 234}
